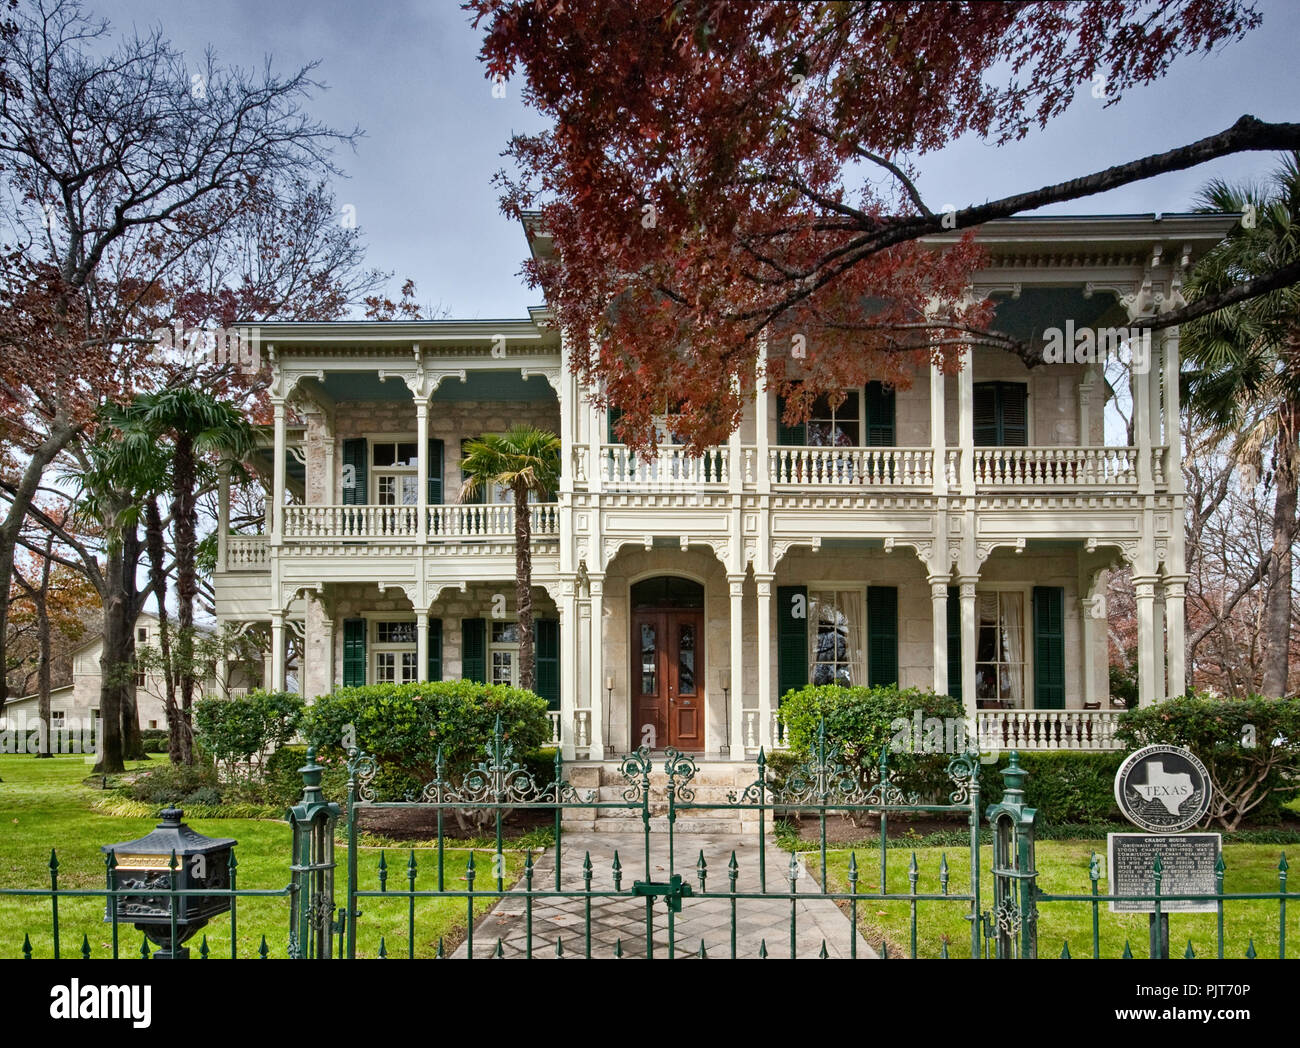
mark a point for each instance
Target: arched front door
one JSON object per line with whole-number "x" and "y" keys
{"x": 668, "y": 663}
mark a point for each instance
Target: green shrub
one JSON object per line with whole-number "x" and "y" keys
{"x": 281, "y": 783}
{"x": 403, "y": 726}
{"x": 244, "y": 728}
{"x": 1251, "y": 748}
{"x": 862, "y": 723}
{"x": 1064, "y": 787}
{"x": 177, "y": 784}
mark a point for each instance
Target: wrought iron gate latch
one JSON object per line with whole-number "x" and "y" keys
{"x": 673, "y": 891}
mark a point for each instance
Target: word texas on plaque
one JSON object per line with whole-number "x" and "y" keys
{"x": 1163, "y": 789}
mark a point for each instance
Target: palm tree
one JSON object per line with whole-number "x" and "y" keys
{"x": 527, "y": 461}
{"x": 1244, "y": 375}
{"x": 195, "y": 424}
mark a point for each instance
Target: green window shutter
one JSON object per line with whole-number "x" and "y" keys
{"x": 1015, "y": 414}
{"x": 1001, "y": 414}
{"x": 1049, "y": 648}
{"x": 354, "y": 652}
{"x": 435, "y": 471}
{"x": 473, "y": 650}
{"x": 879, "y": 416}
{"x": 789, "y": 436}
{"x": 882, "y": 636}
{"x": 435, "y": 649}
{"x": 546, "y": 650}
{"x": 791, "y": 638}
{"x": 612, "y": 415}
{"x": 357, "y": 455}
{"x": 985, "y": 402}
{"x": 954, "y": 642}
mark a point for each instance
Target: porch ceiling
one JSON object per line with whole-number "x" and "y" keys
{"x": 1039, "y": 308}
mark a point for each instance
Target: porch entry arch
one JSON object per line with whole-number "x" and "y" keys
{"x": 667, "y": 656}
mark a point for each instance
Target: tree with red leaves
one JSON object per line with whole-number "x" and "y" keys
{"x": 719, "y": 174}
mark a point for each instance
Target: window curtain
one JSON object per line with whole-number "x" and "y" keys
{"x": 1013, "y": 621}
{"x": 852, "y": 607}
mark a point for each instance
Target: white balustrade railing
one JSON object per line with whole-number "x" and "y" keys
{"x": 582, "y": 731}
{"x": 1056, "y": 467}
{"x": 1048, "y": 729}
{"x": 847, "y": 467}
{"x": 347, "y": 523}
{"x": 671, "y": 469}
{"x": 553, "y": 716}
{"x": 247, "y": 552}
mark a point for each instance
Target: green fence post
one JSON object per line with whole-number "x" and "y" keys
{"x": 311, "y": 898}
{"x": 1015, "y": 877}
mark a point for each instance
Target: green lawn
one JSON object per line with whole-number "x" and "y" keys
{"x": 1063, "y": 869}
{"x": 43, "y": 805}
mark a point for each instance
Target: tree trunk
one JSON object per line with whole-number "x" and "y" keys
{"x": 524, "y": 587}
{"x": 185, "y": 525}
{"x": 1277, "y": 601}
{"x": 43, "y": 673}
{"x": 153, "y": 532}
{"x": 132, "y": 740}
{"x": 114, "y": 664}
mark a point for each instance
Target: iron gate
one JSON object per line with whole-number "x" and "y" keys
{"x": 607, "y": 907}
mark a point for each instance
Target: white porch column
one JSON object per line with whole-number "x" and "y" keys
{"x": 569, "y": 625}
{"x": 735, "y": 741}
{"x": 968, "y": 630}
{"x": 762, "y": 437}
{"x": 1091, "y": 693}
{"x": 938, "y": 433}
{"x": 327, "y": 647}
{"x": 1172, "y": 410}
{"x": 223, "y": 512}
{"x": 277, "y": 651}
{"x": 1142, "y": 430}
{"x": 966, "y": 420}
{"x": 1175, "y": 597}
{"x": 939, "y": 632}
{"x": 1145, "y": 588}
{"x": 1158, "y": 637}
{"x": 765, "y": 661}
{"x": 277, "y": 495}
{"x": 422, "y": 644}
{"x": 596, "y": 584}
{"x": 422, "y": 481}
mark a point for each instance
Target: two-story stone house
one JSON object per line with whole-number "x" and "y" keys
{"x": 955, "y": 535}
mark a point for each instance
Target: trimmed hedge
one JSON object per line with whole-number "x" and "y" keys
{"x": 403, "y": 726}
{"x": 864, "y": 722}
{"x": 1064, "y": 787}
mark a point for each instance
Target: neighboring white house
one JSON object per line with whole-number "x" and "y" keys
{"x": 78, "y": 702}
{"x": 956, "y": 535}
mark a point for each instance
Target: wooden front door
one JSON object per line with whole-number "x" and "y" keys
{"x": 667, "y": 671}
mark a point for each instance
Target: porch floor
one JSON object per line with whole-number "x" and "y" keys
{"x": 708, "y": 920}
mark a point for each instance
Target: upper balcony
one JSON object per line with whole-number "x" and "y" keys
{"x": 1044, "y": 469}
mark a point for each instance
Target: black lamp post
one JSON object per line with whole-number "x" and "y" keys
{"x": 171, "y": 859}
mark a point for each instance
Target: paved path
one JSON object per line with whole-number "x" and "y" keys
{"x": 615, "y": 920}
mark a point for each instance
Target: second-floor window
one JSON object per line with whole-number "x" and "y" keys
{"x": 394, "y": 467}
{"x": 1001, "y": 414}
{"x": 863, "y": 418}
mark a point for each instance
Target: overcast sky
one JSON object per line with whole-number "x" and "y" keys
{"x": 407, "y": 73}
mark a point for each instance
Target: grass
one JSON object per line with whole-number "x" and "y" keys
{"x": 44, "y": 805}
{"x": 1062, "y": 869}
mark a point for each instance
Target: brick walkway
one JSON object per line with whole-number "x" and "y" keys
{"x": 622, "y": 920}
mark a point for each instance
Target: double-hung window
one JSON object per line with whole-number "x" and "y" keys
{"x": 504, "y": 653}
{"x": 1000, "y": 650}
{"x": 836, "y": 620}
